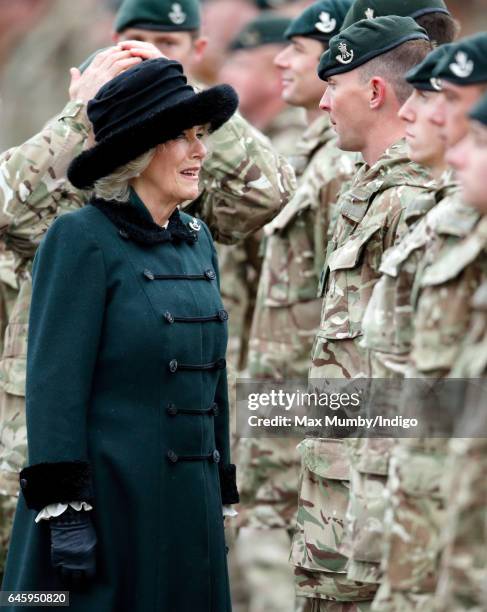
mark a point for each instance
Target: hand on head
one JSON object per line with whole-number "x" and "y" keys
{"x": 107, "y": 65}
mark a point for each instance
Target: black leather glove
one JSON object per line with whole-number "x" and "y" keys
{"x": 73, "y": 547}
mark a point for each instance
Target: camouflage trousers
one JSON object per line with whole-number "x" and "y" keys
{"x": 413, "y": 521}
{"x": 262, "y": 556}
{"x": 322, "y": 605}
{"x": 320, "y": 565}
{"x": 363, "y": 540}
{"x": 13, "y": 453}
{"x": 462, "y": 582}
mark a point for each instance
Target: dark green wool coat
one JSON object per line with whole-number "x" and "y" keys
{"x": 127, "y": 408}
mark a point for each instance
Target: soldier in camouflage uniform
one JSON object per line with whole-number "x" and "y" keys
{"x": 387, "y": 326}
{"x": 250, "y": 59}
{"x": 463, "y": 569}
{"x": 287, "y": 311}
{"x": 244, "y": 183}
{"x": 451, "y": 271}
{"x": 370, "y": 220}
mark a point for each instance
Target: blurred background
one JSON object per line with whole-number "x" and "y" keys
{"x": 41, "y": 39}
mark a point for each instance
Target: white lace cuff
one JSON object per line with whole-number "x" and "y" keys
{"x": 229, "y": 511}
{"x": 54, "y": 510}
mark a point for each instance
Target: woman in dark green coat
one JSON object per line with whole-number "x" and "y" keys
{"x": 127, "y": 410}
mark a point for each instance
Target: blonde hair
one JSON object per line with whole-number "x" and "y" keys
{"x": 116, "y": 186}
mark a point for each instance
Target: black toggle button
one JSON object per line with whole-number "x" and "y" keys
{"x": 171, "y": 410}
{"x": 173, "y": 365}
{"x": 223, "y": 315}
{"x": 216, "y": 456}
{"x": 169, "y": 317}
{"x": 220, "y": 364}
{"x": 171, "y": 455}
{"x": 23, "y": 483}
{"x": 123, "y": 234}
{"x": 214, "y": 409}
{"x": 149, "y": 275}
{"x": 210, "y": 275}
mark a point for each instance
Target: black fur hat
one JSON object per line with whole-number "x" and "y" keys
{"x": 141, "y": 108}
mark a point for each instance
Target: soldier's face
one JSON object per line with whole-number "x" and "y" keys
{"x": 297, "y": 64}
{"x": 179, "y": 46}
{"x": 246, "y": 67}
{"x": 469, "y": 158}
{"x": 172, "y": 177}
{"x": 425, "y": 143}
{"x": 346, "y": 99}
{"x": 450, "y": 112}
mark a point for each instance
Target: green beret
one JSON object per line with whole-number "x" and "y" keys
{"x": 365, "y": 40}
{"x": 370, "y": 9}
{"x": 272, "y": 4}
{"x": 479, "y": 111}
{"x": 465, "y": 62}
{"x": 321, "y": 21}
{"x": 266, "y": 29}
{"x": 421, "y": 76}
{"x": 163, "y": 15}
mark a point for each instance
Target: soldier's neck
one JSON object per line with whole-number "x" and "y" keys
{"x": 264, "y": 114}
{"x": 378, "y": 140}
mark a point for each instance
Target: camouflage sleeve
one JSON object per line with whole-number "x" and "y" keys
{"x": 245, "y": 182}
{"x": 33, "y": 182}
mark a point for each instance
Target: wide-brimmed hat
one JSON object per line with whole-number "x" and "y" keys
{"x": 147, "y": 105}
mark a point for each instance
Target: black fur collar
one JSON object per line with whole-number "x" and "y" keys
{"x": 135, "y": 225}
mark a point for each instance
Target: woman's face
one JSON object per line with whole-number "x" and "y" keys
{"x": 175, "y": 168}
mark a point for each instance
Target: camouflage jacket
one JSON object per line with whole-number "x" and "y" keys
{"x": 285, "y": 130}
{"x": 34, "y": 189}
{"x": 387, "y": 329}
{"x": 371, "y": 219}
{"x": 244, "y": 182}
{"x": 33, "y": 183}
{"x": 287, "y": 313}
{"x": 240, "y": 263}
{"x": 387, "y": 326}
{"x": 454, "y": 267}
{"x": 463, "y": 568}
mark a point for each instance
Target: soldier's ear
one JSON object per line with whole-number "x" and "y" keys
{"x": 199, "y": 47}
{"x": 378, "y": 91}
{"x": 115, "y": 37}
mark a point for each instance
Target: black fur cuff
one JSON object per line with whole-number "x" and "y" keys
{"x": 228, "y": 484}
{"x": 50, "y": 483}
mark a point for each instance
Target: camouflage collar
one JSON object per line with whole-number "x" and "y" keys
{"x": 392, "y": 169}
{"x": 318, "y": 134}
{"x": 461, "y": 255}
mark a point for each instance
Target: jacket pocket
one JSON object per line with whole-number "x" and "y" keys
{"x": 349, "y": 270}
{"x": 322, "y": 506}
